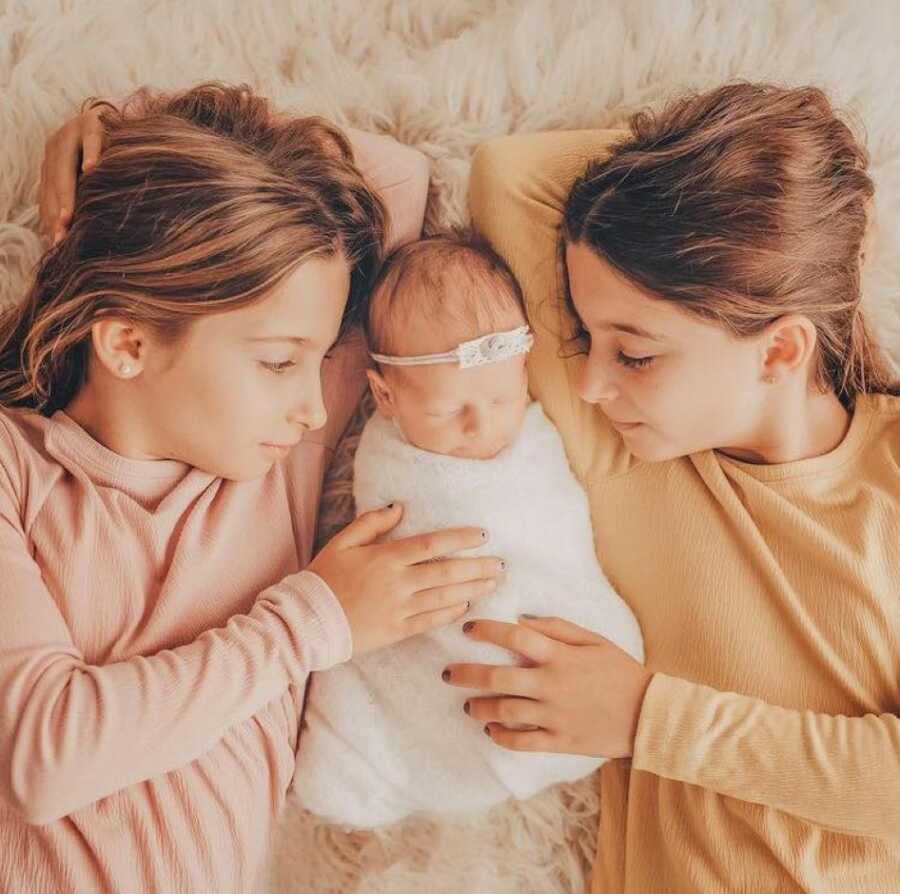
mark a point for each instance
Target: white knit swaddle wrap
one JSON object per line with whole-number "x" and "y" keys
{"x": 384, "y": 736}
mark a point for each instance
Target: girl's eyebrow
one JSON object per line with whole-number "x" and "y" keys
{"x": 634, "y": 330}
{"x": 293, "y": 339}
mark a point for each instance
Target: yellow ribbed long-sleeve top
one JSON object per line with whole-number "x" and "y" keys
{"x": 767, "y": 755}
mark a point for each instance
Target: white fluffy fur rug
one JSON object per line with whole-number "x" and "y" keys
{"x": 444, "y": 75}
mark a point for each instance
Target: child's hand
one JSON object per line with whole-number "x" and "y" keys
{"x": 80, "y": 139}
{"x": 579, "y": 693}
{"x": 390, "y": 591}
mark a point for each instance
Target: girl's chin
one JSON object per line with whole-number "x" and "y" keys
{"x": 642, "y": 445}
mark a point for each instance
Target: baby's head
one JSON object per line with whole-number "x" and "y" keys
{"x": 433, "y": 295}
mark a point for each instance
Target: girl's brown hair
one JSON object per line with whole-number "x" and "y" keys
{"x": 742, "y": 204}
{"x": 202, "y": 202}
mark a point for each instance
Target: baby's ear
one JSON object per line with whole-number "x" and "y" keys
{"x": 381, "y": 391}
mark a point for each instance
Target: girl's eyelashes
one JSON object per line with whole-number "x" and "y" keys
{"x": 285, "y": 365}
{"x": 278, "y": 368}
{"x": 622, "y": 358}
{"x": 634, "y": 362}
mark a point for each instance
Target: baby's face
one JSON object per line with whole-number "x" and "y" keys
{"x": 473, "y": 413}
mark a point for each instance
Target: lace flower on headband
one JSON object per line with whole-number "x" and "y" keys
{"x": 489, "y": 348}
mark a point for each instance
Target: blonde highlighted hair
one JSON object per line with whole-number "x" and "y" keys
{"x": 202, "y": 202}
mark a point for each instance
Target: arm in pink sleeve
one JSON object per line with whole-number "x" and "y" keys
{"x": 399, "y": 174}
{"x": 72, "y": 733}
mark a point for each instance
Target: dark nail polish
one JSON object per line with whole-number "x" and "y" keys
{"x": 502, "y": 565}
{"x": 483, "y": 534}
{"x": 530, "y": 616}
{"x": 487, "y": 731}
{"x": 389, "y": 506}
{"x": 468, "y": 605}
{"x": 445, "y": 676}
{"x": 466, "y": 707}
{"x": 467, "y": 627}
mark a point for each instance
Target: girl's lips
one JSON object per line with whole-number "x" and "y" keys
{"x": 279, "y": 449}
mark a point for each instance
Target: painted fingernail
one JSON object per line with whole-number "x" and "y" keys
{"x": 487, "y": 731}
{"x": 468, "y": 605}
{"x": 389, "y": 506}
{"x": 466, "y": 707}
{"x": 467, "y": 627}
{"x": 533, "y": 617}
{"x": 445, "y": 676}
{"x": 503, "y": 565}
{"x": 484, "y": 534}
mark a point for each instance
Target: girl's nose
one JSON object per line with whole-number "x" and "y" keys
{"x": 593, "y": 385}
{"x": 310, "y": 413}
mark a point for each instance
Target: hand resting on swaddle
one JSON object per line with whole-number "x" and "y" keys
{"x": 383, "y": 737}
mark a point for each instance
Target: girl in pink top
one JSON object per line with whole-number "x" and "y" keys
{"x": 166, "y": 419}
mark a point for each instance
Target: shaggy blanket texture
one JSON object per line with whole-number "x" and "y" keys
{"x": 443, "y": 75}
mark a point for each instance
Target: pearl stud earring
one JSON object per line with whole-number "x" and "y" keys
{"x": 125, "y": 369}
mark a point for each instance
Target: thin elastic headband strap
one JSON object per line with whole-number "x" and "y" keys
{"x": 489, "y": 348}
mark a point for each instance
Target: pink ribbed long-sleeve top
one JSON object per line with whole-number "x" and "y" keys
{"x": 156, "y": 633}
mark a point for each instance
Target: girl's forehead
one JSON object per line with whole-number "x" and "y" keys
{"x": 306, "y": 304}
{"x": 605, "y": 300}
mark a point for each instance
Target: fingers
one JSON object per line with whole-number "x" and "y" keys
{"x": 448, "y": 572}
{"x": 521, "y": 681}
{"x": 49, "y": 199}
{"x": 563, "y": 631}
{"x": 57, "y": 189}
{"x": 522, "y": 740}
{"x": 531, "y": 644}
{"x": 422, "y": 547}
{"x": 46, "y": 210}
{"x": 430, "y": 620}
{"x": 82, "y": 136}
{"x": 510, "y": 712}
{"x": 61, "y": 174}
{"x": 92, "y": 135}
{"x": 367, "y": 527}
{"x": 456, "y": 594}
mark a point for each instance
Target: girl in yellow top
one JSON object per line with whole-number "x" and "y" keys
{"x": 739, "y": 439}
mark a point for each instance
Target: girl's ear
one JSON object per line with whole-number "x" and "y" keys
{"x": 789, "y": 345}
{"x": 120, "y": 346}
{"x": 381, "y": 391}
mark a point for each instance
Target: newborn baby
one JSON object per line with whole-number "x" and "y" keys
{"x": 458, "y": 442}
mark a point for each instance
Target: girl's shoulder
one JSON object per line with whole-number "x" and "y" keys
{"x": 884, "y": 426}
{"x": 22, "y": 448}
{"x": 884, "y": 405}
{"x": 23, "y": 431}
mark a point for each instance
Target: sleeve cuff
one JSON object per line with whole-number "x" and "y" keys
{"x": 676, "y": 715}
{"x": 332, "y": 641}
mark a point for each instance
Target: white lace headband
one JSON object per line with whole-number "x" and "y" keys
{"x": 489, "y": 348}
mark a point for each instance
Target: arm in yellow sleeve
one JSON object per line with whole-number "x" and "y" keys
{"x": 518, "y": 187}
{"x": 841, "y": 773}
